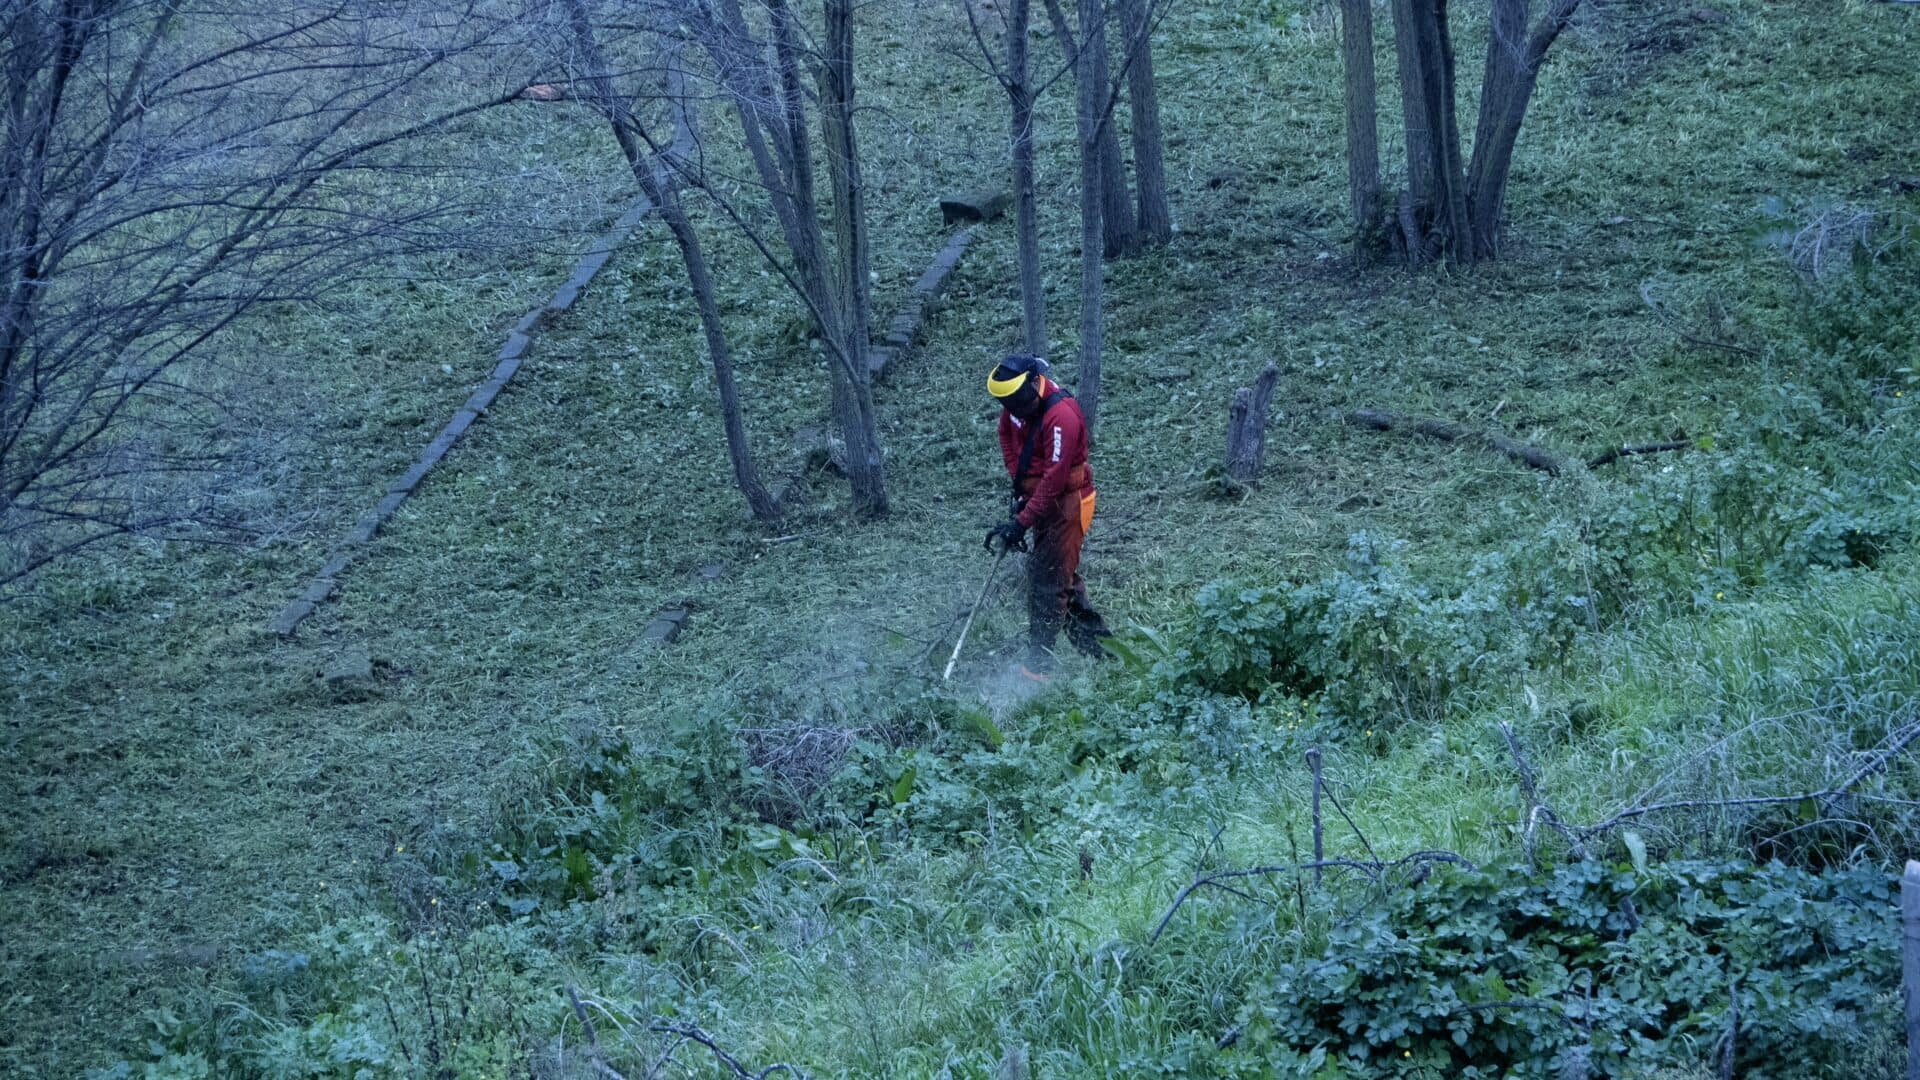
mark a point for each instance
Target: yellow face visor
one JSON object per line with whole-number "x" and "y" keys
{"x": 1002, "y": 388}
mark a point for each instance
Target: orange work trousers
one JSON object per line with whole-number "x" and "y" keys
{"x": 1057, "y": 595}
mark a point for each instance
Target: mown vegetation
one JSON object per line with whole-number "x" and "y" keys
{"x": 529, "y": 844}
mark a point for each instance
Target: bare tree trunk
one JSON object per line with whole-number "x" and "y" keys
{"x": 1435, "y": 179}
{"x": 1514, "y": 56}
{"x": 756, "y": 102}
{"x": 1453, "y": 207}
{"x": 1363, "y": 136}
{"x": 1247, "y": 428}
{"x": 764, "y": 506}
{"x": 1413, "y": 106}
{"x": 1459, "y": 230}
{"x": 1026, "y": 215}
{"x": 790, "y": 130}
{"x": 1149, "y": 149}
{"x": 772, "y": 106}
{"x": 858, "y": 424}
{"x": 1118, "y": 233}
{"x": 1116, "y": 202}
{"x": 1093, "y": 89}
{"x": 658, "y": 186}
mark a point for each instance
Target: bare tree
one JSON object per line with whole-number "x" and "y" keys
{"x": 763, "y": 82}
{"x": 1155, "y": 220}
{"x": 1514, "y": 55}
{"x": 1089, "y": 114}
{"x": 1087, "y": 58}
{"x": 1449, "y": 208}
{"x": 1026, "y": 214}
{"x": 1016, "y": 78}
{"x": 1363, "y": 137}
{"x": 165, "y": 170}
{"x": 853, "y": 394}
{"x": 646, "y": 159}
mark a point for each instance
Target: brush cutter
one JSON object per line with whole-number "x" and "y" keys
{"x": 984, "y": 589}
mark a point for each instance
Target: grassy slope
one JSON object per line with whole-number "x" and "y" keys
{"x": 177, "y": 778}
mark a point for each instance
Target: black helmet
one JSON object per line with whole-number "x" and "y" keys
{"x": 1012, "y": 382}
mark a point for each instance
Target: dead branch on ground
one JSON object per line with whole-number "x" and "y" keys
{"x": 1531, "y": 456}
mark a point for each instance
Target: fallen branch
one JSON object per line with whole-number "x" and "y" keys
{"x": 600, "y": 1066}
{"x": 1553, "y": 1007}
{"x": 1901, "y": 739}
{"x": 692, "y": 1033}
{"x": 1526, "y": 454}
{"x": 1371, "y": 867}
{"x": 1531, "y": 456}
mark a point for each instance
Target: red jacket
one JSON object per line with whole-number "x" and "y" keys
{"x": 1058, "y": 471}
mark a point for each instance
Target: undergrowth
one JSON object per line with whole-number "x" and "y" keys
{"x": 784, "y": 832}
{"x": 1733, "y": 624}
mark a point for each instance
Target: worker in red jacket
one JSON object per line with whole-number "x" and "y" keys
{"x": 1043, "y": 438}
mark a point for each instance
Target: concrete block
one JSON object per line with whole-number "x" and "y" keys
{"x": 461, "y": 421}
{"x": 437, "y": 449}
{"x": 666, "y": 626}
{"x": 366, "y": 528}
{"x": 635, "y": 215}
{"x": 318, "y": 590}
{"x": 984, "y": 205}
{"x": 589, "y": 265}
{"x": 352, "y": 666}
{"x": 290, "y": 618}
{"x": 482, "y": 397}
{"x": 410, "y": 479}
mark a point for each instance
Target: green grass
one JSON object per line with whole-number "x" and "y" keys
{"x": 178, "y": 778}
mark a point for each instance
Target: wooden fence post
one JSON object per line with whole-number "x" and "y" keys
{"x": 1910, "y": 962}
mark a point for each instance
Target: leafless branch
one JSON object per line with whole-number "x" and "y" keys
{"x": 1373, "y": 868}
{"x": 1898, "y": 741}
{"x": 1537, "y": 810}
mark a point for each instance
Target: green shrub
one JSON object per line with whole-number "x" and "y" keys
{"x": 1373, "y": 640}
{"x": 1512, "y": 974}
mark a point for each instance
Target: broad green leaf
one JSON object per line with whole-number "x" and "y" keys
{"x": 1636, "y": 849}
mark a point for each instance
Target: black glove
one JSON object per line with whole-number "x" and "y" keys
{"x": 1011, "y": 536}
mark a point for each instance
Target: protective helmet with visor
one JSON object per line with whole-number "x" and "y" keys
{"x": 1015, "y": 383}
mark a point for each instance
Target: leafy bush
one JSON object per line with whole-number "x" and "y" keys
{"x": 1375, "y": 639}
{"x": 1372, "y": 639}
{"x": 1515, "y": 975}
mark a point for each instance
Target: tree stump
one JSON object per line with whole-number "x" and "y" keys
{"x": 1247, "y": 428}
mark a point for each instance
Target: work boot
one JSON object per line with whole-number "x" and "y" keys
{"x": 1038, "y": 665}
{"x": 1086, "y": 629}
